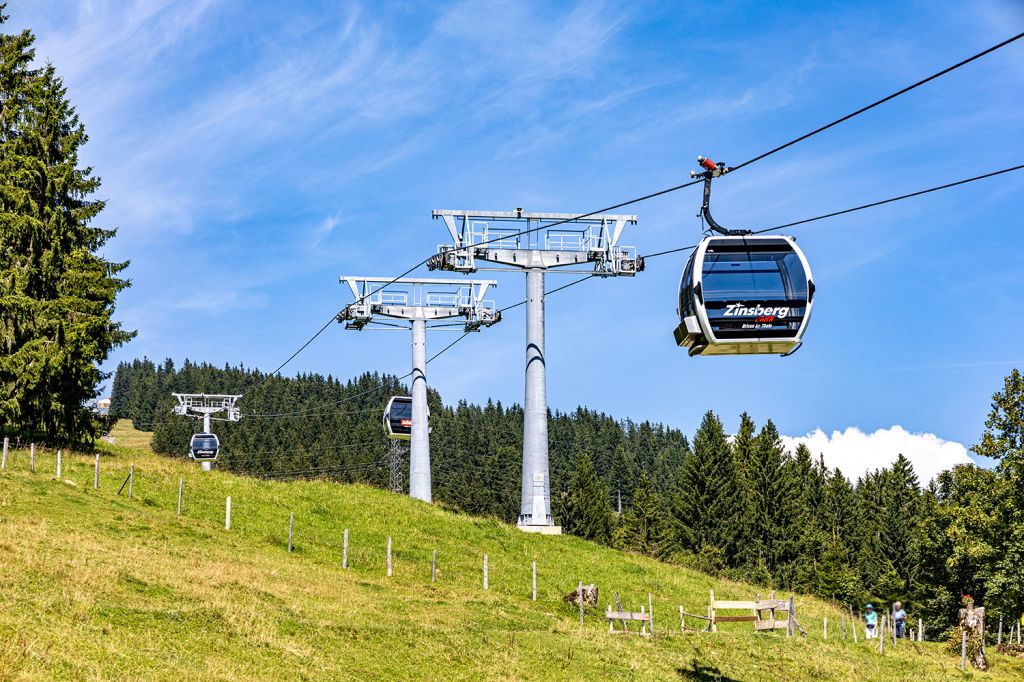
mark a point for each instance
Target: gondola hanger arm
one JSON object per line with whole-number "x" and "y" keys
{"x": 711, "y": 171}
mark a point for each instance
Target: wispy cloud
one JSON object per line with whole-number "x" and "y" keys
{"x": 324, "y": 230}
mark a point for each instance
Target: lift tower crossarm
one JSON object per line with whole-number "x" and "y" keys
{"x": 572, "y": 239}
{"x": 207, "y": 404}
{"x": 418, "y": 301}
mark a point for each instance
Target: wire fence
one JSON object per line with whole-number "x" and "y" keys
{"x": 379, "y": 552}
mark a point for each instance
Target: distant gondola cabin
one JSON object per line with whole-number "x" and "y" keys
{"x": 398, "y": 418}
{"x": 204, "y": 447}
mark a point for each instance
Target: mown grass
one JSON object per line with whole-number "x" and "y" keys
{"x": 94, "y": 585}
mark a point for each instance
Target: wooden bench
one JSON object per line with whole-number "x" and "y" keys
{"x": 626, "y": 617}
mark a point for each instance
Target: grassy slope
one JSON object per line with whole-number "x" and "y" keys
{"x": 93, "y": 585}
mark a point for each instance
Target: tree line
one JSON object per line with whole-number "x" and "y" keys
{"x": 740, "y": 506}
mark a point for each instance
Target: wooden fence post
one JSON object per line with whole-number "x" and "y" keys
{"x": 485, "y": 572}
{"x": 618, "y": 606}
{"x": 650, "y": 609}
{"x": 534, "y": 581}
{"x": 711, "y": 612}
{"x": 999, "y": 638}
{"x": 853, "y": 625}
{"x": 579, "y": 593}
{"x": 389, "y": 556}
{"x": 963, "y": 647}
{"x": 881, "y": 635}
{"x": 124, "y": 483}
{"x": 7, "y": 444}
{"x": 181, "y": 490}
{"x": 131, "y": 479}
{"x": 682, "y": 619}
{"x": 792, "y": 617}
{"x": 59, "y": 462}
{"x": 227, "y": 518}
{"x": 344, "y": 550}
{"x": 824, "y": 625}
{"x": 32, "y": 457}
{"x": 920, "y": 630}
{"x": 96, "y": 477}
{"x": 291, "y": 529}
{"x": 433, "y": 568}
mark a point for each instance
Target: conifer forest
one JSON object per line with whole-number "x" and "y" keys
{"x": 739, "y": 505}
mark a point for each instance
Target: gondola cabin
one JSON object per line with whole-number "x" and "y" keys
{"x": 398, "y": 418}
{"x": 204, "y": 447}
{"x": 744, "y": 295}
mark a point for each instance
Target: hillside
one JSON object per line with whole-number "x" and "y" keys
{"x": 96, "y": 585}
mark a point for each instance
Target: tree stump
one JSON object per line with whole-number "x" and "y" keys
{"x": 589, "y": 595}
{"x": 972, "y": 620}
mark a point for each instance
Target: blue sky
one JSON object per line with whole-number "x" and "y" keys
{"x": 251, "y": 154}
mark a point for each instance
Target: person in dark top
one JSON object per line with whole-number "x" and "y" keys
{"x": 899, "y": 619}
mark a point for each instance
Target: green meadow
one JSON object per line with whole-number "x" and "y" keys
{"x": 94, "y": 585}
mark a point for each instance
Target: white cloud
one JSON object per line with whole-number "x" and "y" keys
{"x": 854, "y": 452}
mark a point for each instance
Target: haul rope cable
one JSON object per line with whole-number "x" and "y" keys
{"x": 252, "y": 455}
{"x": 464, "y": 463}
{"x": 326, "y": 406}
{"x": 804, "y": 221}
{"x": 856, "y": 208}
{"x": 669, "y": 190}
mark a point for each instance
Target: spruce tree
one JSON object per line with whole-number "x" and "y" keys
{"x": 587, "y": 512}
{"x": 773, "y": 499}
{"x": 743, "y": 446}
{"x": 807, "y": 479}
{"x": 643, "y": 528}
{"x": 900, "y": 514}
{"x": 56, "y": 292}
{"x": 623, "y": 474}
{"x": 704, "y": 505}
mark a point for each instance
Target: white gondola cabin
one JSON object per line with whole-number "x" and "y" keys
{"x": 744, "y": 295}
{"x": 204, "y": 447}
{"x": 398, "y": 418}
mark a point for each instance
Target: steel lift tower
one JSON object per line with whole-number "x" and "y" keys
{"x": 418, "y": 301}
{"x": 207, "y": 405}
{"x": 521, "y": 240}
